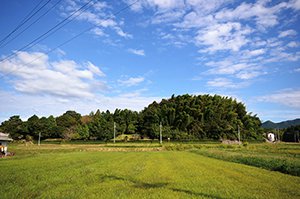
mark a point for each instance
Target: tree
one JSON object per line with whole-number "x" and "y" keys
{"x": 34, "y": 126}
{"x": 199, "y": 117}
{"x": 68, "y": 123}
{"x": 101, "y": 126}
{"x": 292, "y": 134}
{"x": 68, "y": 119}
{"x": 15, "y": 127}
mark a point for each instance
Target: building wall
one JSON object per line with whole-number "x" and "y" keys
{"x": 271, "y": 137}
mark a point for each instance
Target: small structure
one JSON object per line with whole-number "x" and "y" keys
{"x": 4, "y": 139}
{"x": 271, "y": 137}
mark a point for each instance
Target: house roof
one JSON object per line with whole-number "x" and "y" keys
{"x": 4, "y": 137}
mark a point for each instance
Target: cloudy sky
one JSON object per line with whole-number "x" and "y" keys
{"x": 59, "y": 55}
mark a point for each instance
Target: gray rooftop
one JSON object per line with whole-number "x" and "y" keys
{"x": 5, "y": 137}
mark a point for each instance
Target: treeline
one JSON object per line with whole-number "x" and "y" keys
{"x": 182, "y": 117}
{"x": 291, "y": 134}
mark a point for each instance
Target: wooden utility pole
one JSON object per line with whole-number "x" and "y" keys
{"x": 114, "y": 132}
{"x": 160, "y": 133}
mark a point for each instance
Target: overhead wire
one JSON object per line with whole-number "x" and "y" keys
{"x": 27, "y": 27}
{"x": 69, "y": 40}
{"x": 50, "y": 32}
{"x": 26, "y": 19}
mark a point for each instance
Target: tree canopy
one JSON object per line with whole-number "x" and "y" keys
{"x": 182, "y": 117}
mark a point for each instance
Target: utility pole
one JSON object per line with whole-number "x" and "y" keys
{"x": 114, "y": 132}
{"x": 39, "y": 142}
{"x": 239, "y": 135}
{"x": 160, "y": 133}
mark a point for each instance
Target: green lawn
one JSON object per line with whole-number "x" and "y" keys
{"x": 54, "y": 171}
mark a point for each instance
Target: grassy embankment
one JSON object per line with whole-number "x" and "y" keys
{"x": 98, "y": 171}
{"x": 282, "y": 157}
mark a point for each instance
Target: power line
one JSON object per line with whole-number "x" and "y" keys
{"x": 27, "y": 18}
{"x": 48, "y": 52}
{"x": 41, "y": 16}
{"x": 44, "y": 35}
{"x": 69, "y": 40}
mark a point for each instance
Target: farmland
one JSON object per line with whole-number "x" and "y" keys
{"x": 145, "y": 170}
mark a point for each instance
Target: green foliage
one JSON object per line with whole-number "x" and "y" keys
{"x": 68, "y": 119}
{"x": 101, "y": 126}
{"x": 82, "y": 132}
{"x": 15, "y": 127}
{"x": 245, "y": 144}
{"x": 292, "y": 134}
{"x": 200, "y": 117}
{"x": 183, "y": 117}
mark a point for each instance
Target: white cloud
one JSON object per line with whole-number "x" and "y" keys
{"x": 161, "y": 5}
{"x": 100, "y": 6}
{"x": 132, "y": 81}
{"x": 297, "y": 70}
{"x": 195, "y": 20}
{"x": 226, "y": 67}
{"x": 287, "y": 33}
{"x": 263, "y": 15}
{"x": 256, "y": 52}
{"x": 136, "y": 6}
{"x": 27, "y": 105}
{"x": 202, "y": 6}
{"x": 99, "y": 15}
{"x": 121, "y": 33}
{"x": 98, "y": 32}
{"x": 294, "y": 4}
{"x": 293, "y": 44}
{"x": 60, "y": 52}
{"x": 64, "y": 78}
{"x": 248, "y": 74}
{"x": 288, "y": 97}
{"x": 166, "y": 17}
{"x": 227, "y": 36}
{"x": 241, "y": 66}
{"x": 278, "y": 55}
{"x": 222, "y": 82}
{"x": 137, "y": 52}
{"x": 94, "y": 69}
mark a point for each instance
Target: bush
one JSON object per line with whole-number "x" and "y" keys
{"x": 245, "y": 144}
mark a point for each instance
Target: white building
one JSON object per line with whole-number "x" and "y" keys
{"x": 4, "y": 139}
{"x": 271, "y": 137}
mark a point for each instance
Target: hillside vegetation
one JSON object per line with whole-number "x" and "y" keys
{"x": 280, "y": 125}
{"x": 182, "y": 117}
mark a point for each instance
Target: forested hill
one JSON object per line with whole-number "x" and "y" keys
{"x": 181, "y": 117}
{"x": 280, "y": 125}
{"x": 200, "y": 117}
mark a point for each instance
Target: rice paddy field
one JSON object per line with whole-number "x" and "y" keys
{"x": 148, "y": 170}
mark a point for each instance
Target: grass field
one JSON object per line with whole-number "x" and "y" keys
{"x": 282, "y": 157}
{"x": 139, "y": 171}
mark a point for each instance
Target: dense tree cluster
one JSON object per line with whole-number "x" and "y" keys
{"x": 182, "y": 117}
{"x": 292, "y": 134}
{"x": 199, "y": 117}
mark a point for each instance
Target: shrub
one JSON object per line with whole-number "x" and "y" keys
{"x": 245, "y": 144}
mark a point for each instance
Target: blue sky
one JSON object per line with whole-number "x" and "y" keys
{"x": 249, "y": 50}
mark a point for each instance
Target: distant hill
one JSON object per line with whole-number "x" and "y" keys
{"x": 280, "y": 125}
